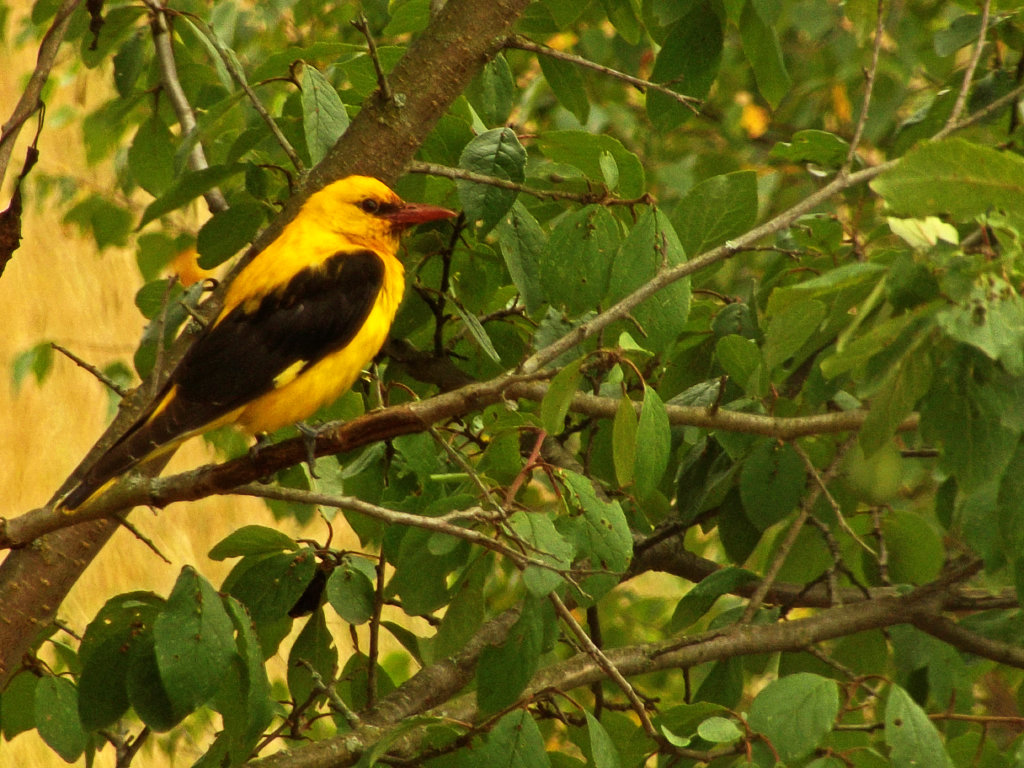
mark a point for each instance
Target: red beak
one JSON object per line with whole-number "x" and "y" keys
{"x": 411, "y": 214}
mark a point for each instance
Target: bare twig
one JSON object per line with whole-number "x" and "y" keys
{"x": 363, "y": 26}
{"x": 524, "y": 44}
{"x": 100, "y": 375}
{"x": 598, "y": 655}
{"x": 584, "y": 198}
{"x": 789, "y": 541}
{"x": 965, "y": 88}
{"x": 254, "y": 100}
{"x": 164, "y": 49}
{"x": 869, "y": 85}
{"x": 30, "y": 97}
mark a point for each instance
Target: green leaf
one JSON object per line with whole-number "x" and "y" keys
{"x": 913, "y": 739}
{"x": 268, "y": 586}
{"x": 504, "y": 670}
{"x": 761, "y": 47}
{"x": 17, "y": 704}
{"x": 314, "y": 645}
{"x": 651, "y": 245}
{"x": 719, "y": 730}
{"x": 193, "y": 641}
{"x": 351, "y": 592}
{"x": 252, "y": 540}
{"x": 477, "y": 331}
{"x": 546, "y": 544}
{"x": 966, "y": 417}
{"x": 583, "y": 150}
{"x": 699, "y": 600}
{"x": 421, "y": 576}
{"x": 567, "y": 85}
{"x": 796, "y": 713}
{"x": 37, "y": 360}
{"x": 151, "y": 156}
{"x": 599, "y": 532}
{"x": 624, "y": 440}
{"x": 227, "y": 232}
{"x": 493, "y": 91}
{"x": 108, "y": 223}
{"x": 956, "y": 177}
{"x": 409, "y": 17}
{"x": 467, "y": 609}
{"x": 688, "y": 63}
{"x": 523, "y": 245}
{"x": 128, "y": 65}
{"x": 515, "y": 742}
{"x": 896, "y": 398}
{"x": 576, "y": 268}
{"x": 187, "y": 188}
{"x": 741, "y": 359}
{"x": 245, "y": 701}
{"x": 602, "y": 749}
{"x": 558, "y": 398}
{"x": 962, "y": 31}
{"x": 820, "y": 148}
{"x": 324, "y": 118}
{"x": 992, "y": 320}
{"x": 915, "y": 547}
{"x": 495, "y": 153}
{"x": 625, "y": 16}
{"x": 771, "y": 482}
{"x": 789, "y": 329}
{"x": 715, "y": 210}
{"x": 56, "y": 717}
{"x": 653, "y": 444}
{"x": 104, "y": 653}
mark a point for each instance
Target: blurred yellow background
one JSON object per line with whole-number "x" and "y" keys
{"x": 58, "y": 287}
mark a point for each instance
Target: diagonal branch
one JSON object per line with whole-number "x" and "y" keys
{"x": 30, "y": 99}
{"x": 179, "y": 101}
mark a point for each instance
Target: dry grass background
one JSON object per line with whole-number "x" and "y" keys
{"x": 59, "y": 288}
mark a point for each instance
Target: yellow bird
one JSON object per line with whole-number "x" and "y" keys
{"x": 298, "y": 325}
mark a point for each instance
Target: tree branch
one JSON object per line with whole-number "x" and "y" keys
{"x": 30, "y": 97}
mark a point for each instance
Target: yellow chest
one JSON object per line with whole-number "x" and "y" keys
{"x": 300, "y": 391}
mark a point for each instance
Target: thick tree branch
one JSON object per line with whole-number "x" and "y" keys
{"x": 341, "y": 437}
{"x": 581, "y": 670}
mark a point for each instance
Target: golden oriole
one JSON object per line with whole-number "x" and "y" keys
{"x": 298, "y": 325}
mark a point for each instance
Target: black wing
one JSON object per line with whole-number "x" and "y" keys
{"x": 317, "y": 312}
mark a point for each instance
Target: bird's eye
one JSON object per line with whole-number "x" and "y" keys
{"x": 370, "y": 205}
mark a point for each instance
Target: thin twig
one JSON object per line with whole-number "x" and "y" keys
{"x": 332, "y": 695}
{"x": 965, "y": 88}
{"x": 123, "y": 522}
{"x": 441, "y": 524}
{"x": 584, "y": 198}
{"x": 523, "y": 44}
{"x": 790, "y": 539}
{"x": 363, "y": 26}
{"x": 869, "y": 85}
{"x": 254, "y": 100}
{"x": 100, "y": 375}
{"x": 30, "y": 99}
{"x": 602, "y": 661}
{"x": 164, "y": 50}
{"x": 373, "y": 652}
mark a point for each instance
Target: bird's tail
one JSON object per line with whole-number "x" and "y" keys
{"x": 148, "y": 438}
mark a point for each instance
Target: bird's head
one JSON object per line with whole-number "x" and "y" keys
{"x": 367, "y": 212}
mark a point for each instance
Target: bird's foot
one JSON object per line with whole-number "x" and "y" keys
{"x": 309, "y": 435}
{"x": 262, "y": 441}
